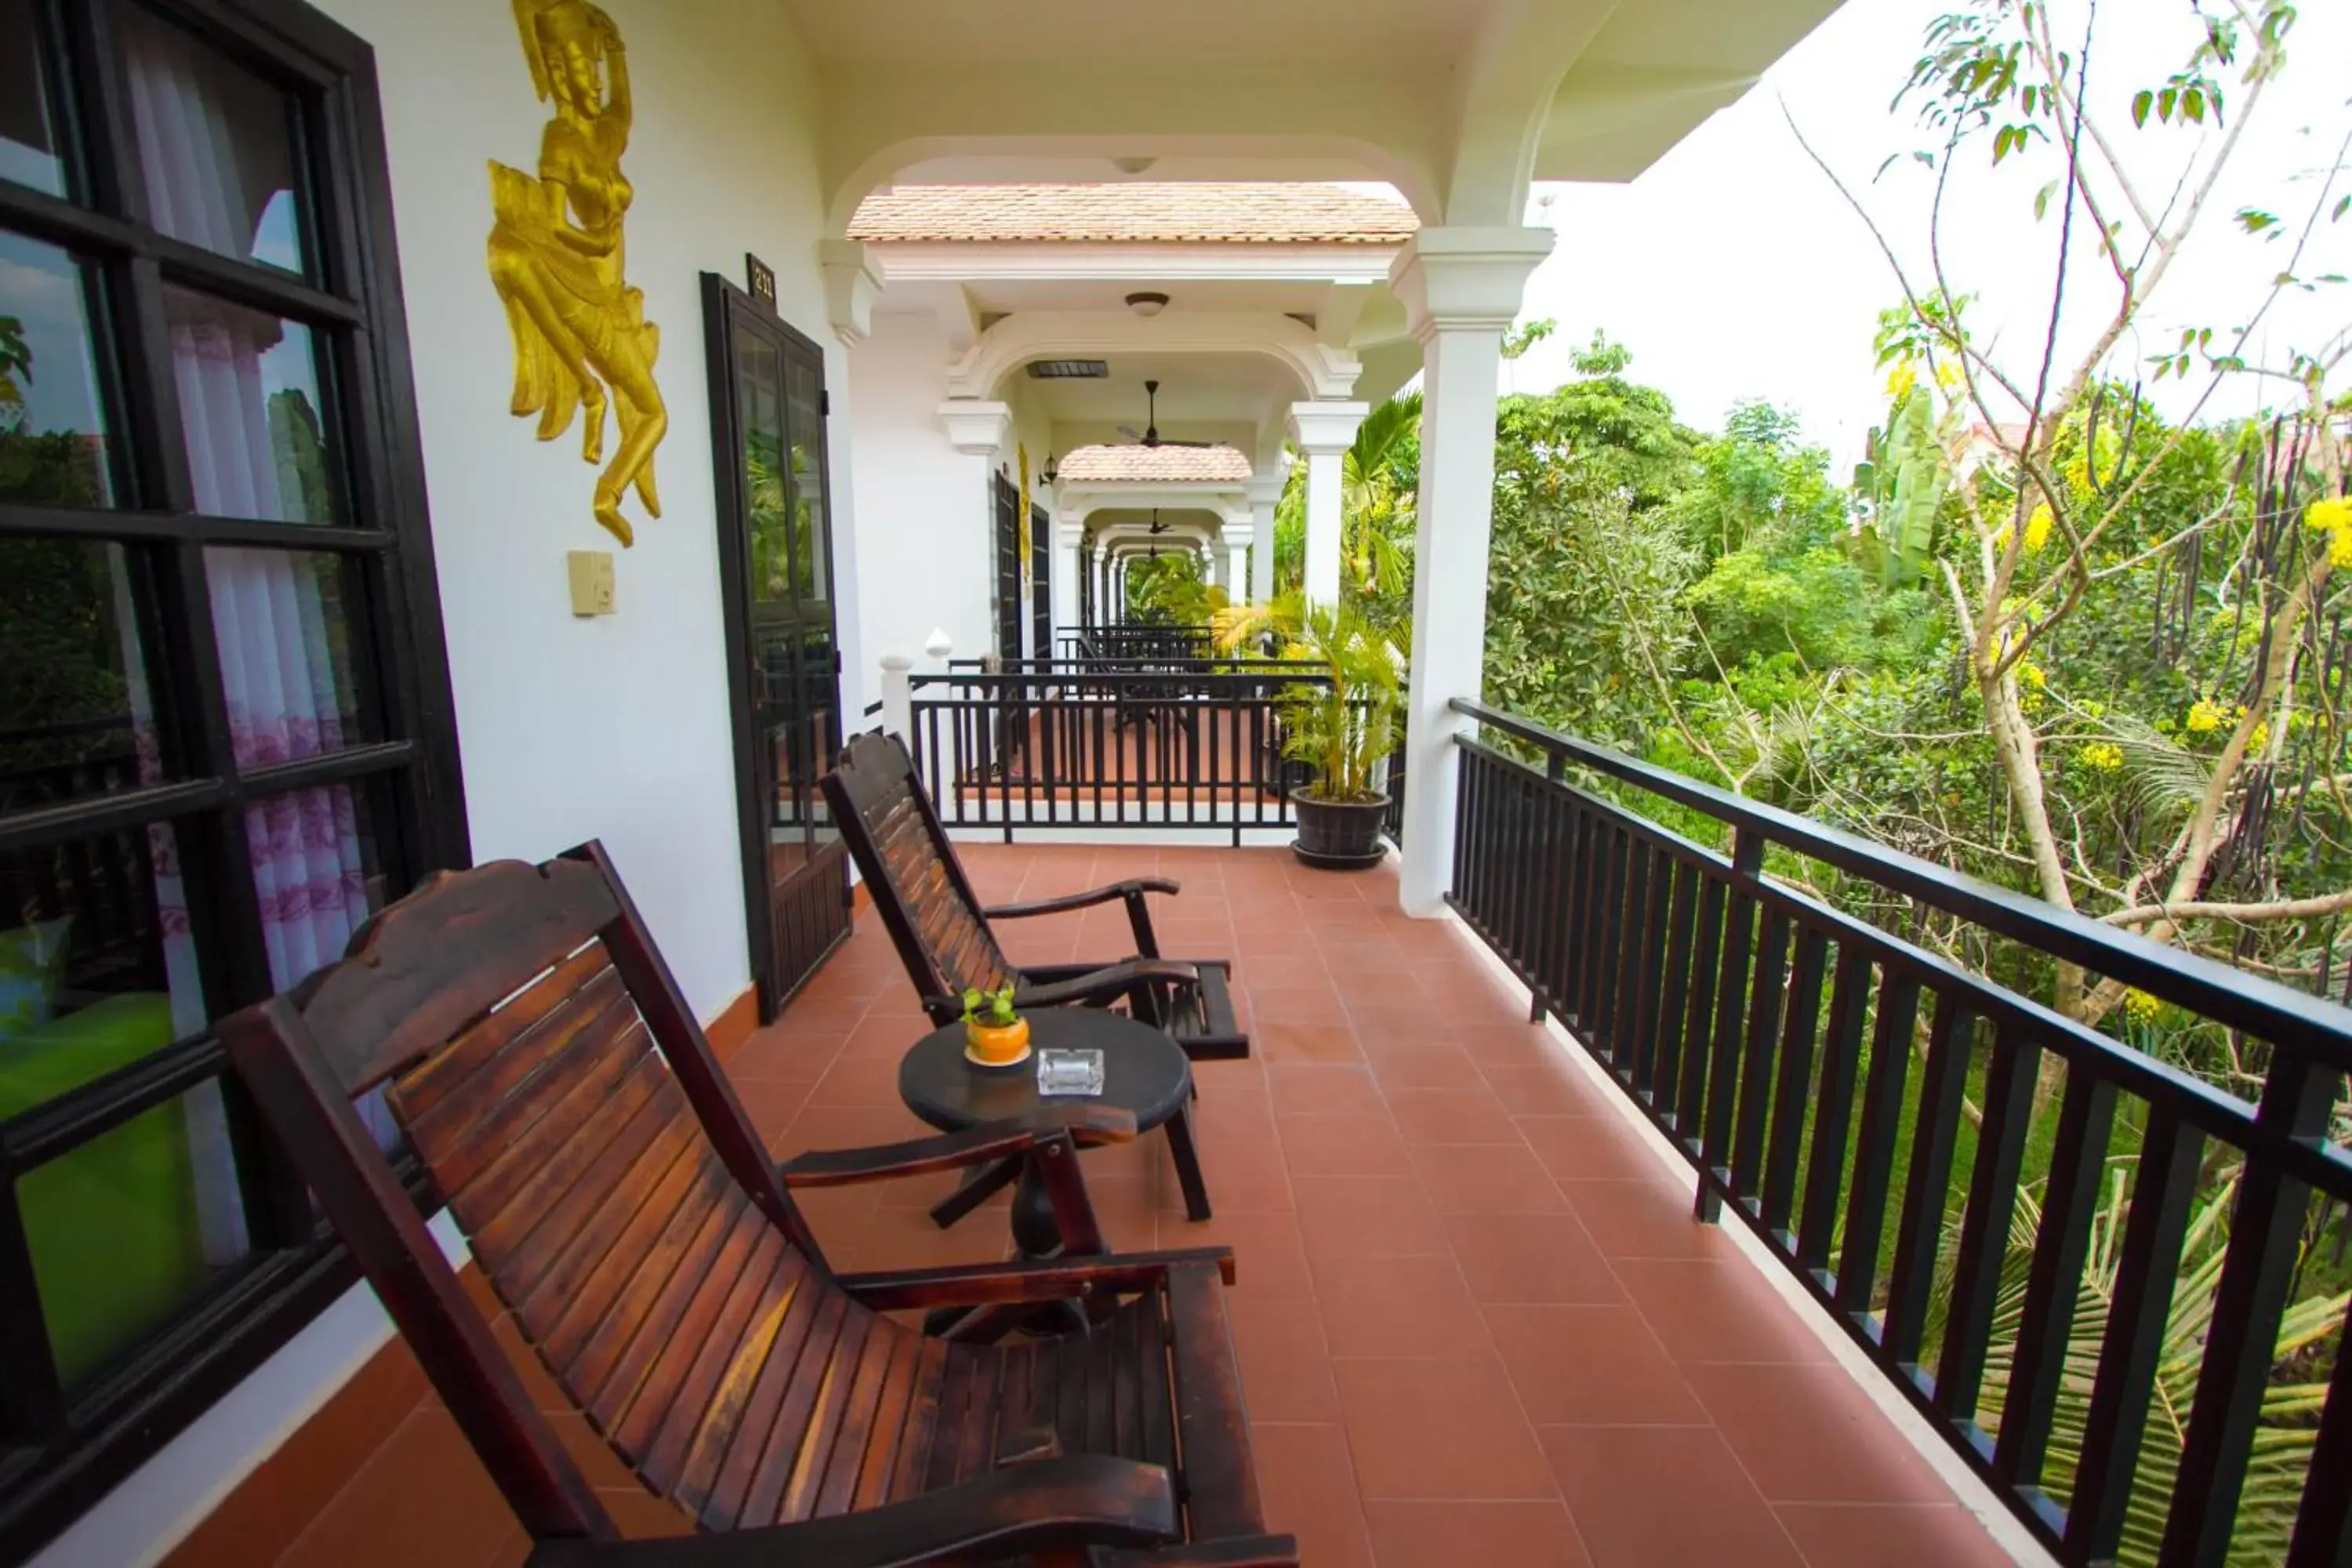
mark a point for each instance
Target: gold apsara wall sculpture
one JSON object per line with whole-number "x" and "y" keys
{"x": 580, "y": 336}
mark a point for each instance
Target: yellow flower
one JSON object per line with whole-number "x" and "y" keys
{"x": 2334, "y": 515}
{"x": 2038, "y": 527}
{"x": 2203, "y": 717}
{"x": 1948, "y": 378}
{"x": 2140, "y": 1006}
{"x": 2104, "y": 755}
{"x": 1900, "y": 381}
{"x": 2258, "y": 740}
{"x": 2032, "y": 675}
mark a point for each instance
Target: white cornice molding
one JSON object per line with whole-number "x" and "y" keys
{"x": 1113, "y": 495}
{"x": 1039, "y": 261}
{"x": 1322, "y": 429}
{"x": 1461, "y": 278}
{"x": 852, "y": 283}
{"x": 1322, "y": 370}
{"x": 976, "y": 427}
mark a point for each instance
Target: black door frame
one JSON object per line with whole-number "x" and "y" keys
{"x": 724, "y": 308}
{"x": 1041, "y": 572}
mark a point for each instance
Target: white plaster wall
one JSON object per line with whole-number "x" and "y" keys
{"x": 614, "y": 727}
{"x": 922, "y": 507}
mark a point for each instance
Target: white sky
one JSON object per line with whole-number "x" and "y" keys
{"x": 1732, "y": 268}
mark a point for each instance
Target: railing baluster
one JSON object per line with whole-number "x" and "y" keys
{"x": 1833, "y": 1107}
{"x": 1757, "y": 1058}
{"x": 1612, "y": 936}
{"x": 1661, "y": 1052}
{"x": 2164, "y": 1190}
{"x": 2053, "y": 1280}
{"x": 1633, "y": 956}
{"x": 1698, "y": 1016}
{"x": 1874, "y": 1155}
{"x": 2010, "y": 1077}
{"x": 2323, "y": 1527}
{"x": 1792, "y": 1098}
{"x": 1575, "y": 852}
{"x": 2265, "y": 1227}
{"x": 1723, "y": 1075}
{"x": 1943, "y": 1086}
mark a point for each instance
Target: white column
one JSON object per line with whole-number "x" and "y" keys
{"x": 1237, "y": 546}
{"x": 1265, "y": 493}
{"x": 898, "y": 696}
{"x": 1069, "y": 560}
{"x": 1461, "y": 289}
{"x": 1324, "y": 432}
{"x": 1101, "y": 568}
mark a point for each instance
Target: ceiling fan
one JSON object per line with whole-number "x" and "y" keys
{"x": 1157, "y": 526}
{"x": 1149, "y": 436}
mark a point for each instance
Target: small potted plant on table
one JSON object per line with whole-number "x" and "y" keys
{"x": 994, "y": 1036}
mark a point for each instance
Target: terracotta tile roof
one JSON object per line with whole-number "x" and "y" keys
{"x": 1161, "y": 465}
{"x": 1264, "y": 213}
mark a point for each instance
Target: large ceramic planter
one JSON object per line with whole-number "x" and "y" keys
{"x": 1339, "y": 836}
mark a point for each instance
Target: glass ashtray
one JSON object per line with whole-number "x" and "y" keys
{"x": 1069, "y": 1072}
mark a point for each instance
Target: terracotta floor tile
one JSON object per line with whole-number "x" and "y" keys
{"x": 1398, "y": 1307}
{"x": 1598, "y": 1148}
{"x": 1286, "y": 1363}
{"x": 1531, "y": 1258}
{"x": 1386, "y": 989}
{"x": 377, "y": 1518}
{"x": 1497, "y": 1041}
{"x": 1296, "y": 1042}
{"x": 1324, "y": 1088}
{"x": 1806, "y": 1433}
{"x": 797, "y": 1055}
{"x": 1547, "y": 1089}
{"x": 821, "y": 1012}
{"x": 1403, "y": 1061}
{"x": 1451, "y": 1116}
{"x": 1367, "y": 1216}
{"x": 1707, "y": 1310}
{"x": 1269, "y": 1258}
{"x": 1867, "y": 1535}
{"x": 772, "y": 1103}
{"x": 1428, "y": 1429}
{"x": 1461, "y": 1534}
{"x": 1485, "y": 1178}
{"x": 1663, "y": 1497}
{"x": 1307, "y": 1484}
{"x": 1241, "y": 1178}
{"x": 1343, "y": 1146}
{"x": 1645, "y": 1218}
{"x": 1590, "y": 1365}
{"x": 1349, "y": 959}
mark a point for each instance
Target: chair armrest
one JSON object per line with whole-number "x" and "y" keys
{"x": 1086, "y": 1125}
{"x": 1231, "y": 1551}
{"x": 1045, "y": 1506}
{"x": 1134, "y": 888}
{"x": 1046, "y": 1279}
{"x": 1111, "y": 981}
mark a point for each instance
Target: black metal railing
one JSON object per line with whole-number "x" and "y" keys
{"x": 1089, "y": 747}
{"x": 1138, "y": 642}
{"x": 2022, "y": 1221}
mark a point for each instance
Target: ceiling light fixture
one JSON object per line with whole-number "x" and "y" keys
{"x": 1148, "y": 304}
{"x": 1133, "y": 165}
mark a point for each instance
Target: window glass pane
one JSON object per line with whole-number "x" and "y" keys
{"x": 126, "y": 1228}
{"x": 250, "y": 411}
{"x": 76, "y": 715}
{"x": 96, "y": 967}
{"x": 53, "y": 436}
{"x": 282, "y": 621}
{"x": 28, "y": 153}
{"x": 214, "y": 145}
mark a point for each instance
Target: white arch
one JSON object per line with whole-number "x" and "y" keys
{"x": 1321, "y": 370}
{"x": 1077, "y": 506}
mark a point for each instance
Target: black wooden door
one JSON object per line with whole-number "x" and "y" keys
{"x": 775, "y": 555}
{"x": 1041, "y": 593}
{"x": 1008, "y": 569}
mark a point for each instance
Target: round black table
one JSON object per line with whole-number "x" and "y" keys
{"x": 1144, "y": 1072}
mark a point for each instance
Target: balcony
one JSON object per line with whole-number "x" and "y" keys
{"x": 1478, "y": 1322}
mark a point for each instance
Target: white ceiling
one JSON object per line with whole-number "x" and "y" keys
{"x": 1405, "y": 34}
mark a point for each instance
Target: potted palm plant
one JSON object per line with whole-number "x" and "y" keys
{"x": 1343, "y": 728}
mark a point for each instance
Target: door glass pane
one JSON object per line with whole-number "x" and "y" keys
{"x": 251, "y": 412}
{"x": 77, "y": 718}
{"x": 289, "y": 669}
{"x": 215, "y": 145}
{"x": 53, "y": 435}
{"x": 766, "y": 486}
{"x": 802, "y": 392}
{"x": 28, "y": 153}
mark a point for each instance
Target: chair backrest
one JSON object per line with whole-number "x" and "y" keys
{"x": 919, "y": 886}
{"x": 548, "y": 1075}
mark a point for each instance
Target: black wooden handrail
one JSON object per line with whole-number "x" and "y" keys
{"x": 1817, "y": 1073}
{"x": 2229, "y": 997}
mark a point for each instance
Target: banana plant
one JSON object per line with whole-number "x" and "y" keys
{"x": 1903, "y": 479}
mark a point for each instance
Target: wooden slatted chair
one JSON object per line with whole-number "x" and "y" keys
{"x": 547, "y": 1071}
{"x": 942, "y": 934}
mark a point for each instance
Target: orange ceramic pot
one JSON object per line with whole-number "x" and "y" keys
{"x": 997, "y": 1045}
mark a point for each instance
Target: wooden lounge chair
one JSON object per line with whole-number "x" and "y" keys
{"x": 942, "y": 933}
{"x": 547, "y": 1074}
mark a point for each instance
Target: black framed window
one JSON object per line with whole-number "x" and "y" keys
{"x": 225, "y": 720}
